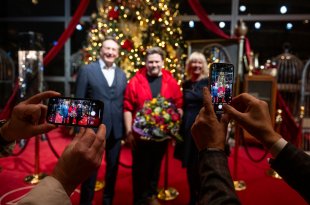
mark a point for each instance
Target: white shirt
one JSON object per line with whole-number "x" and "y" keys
{"x": 48, "y": 192}
{"x": 108, "y": 73}
{"x": 277, "y": 147}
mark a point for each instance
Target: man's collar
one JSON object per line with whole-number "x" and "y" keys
{"x": 103, "y": 65}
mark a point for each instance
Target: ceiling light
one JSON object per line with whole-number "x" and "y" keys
{"x": 242, "y": 8}
{"x": 257, "y": 25}
{"x": 79, "y": 27}
{"x": 283, "y": 10}
{"x": 191, "y": 24}
{"x": 289, "y": 26}
{"x": 222, "y": 24}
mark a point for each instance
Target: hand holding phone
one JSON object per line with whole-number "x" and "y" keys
{"x": 75, "y": 111}
{"x": 221, "y": 85}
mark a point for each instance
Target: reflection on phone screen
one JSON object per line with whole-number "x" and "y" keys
{"x": 221, "y": 86}
{"x": 74, "y": 112}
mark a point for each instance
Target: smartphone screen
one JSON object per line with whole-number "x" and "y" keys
{"x": 74, "y": 112}
{"x": 221, "y": 85}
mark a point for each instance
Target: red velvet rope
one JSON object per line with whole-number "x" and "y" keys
{"x": 210, "y": 25}
{"x": 289, "y": 128}
{"x": 67, "y": 33}
{"x": 6, "y": 112}
{"x": 203, "y": 16}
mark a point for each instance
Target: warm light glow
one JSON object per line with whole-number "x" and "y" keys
{"x": 145, "y": 24}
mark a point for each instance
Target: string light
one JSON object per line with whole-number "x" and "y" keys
{"x": 137, "y": 31}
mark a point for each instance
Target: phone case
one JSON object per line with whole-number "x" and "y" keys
{"x": 221, "y": 85}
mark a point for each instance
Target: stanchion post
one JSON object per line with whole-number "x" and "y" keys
{"x": 240, "y": 31}
{"x": 167, "y": 193}
{"x": 36, "y": 176}
{"x": 279, "y": 120}
{"x": 238, "y": 184}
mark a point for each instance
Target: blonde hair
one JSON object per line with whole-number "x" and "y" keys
{"x": 200, "y": 57}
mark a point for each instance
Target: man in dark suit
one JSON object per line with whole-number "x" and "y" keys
{"x": 251, "y": 114}
{"x": 103, "y": 80}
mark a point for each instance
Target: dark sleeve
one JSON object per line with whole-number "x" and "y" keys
{"x": 216, "y": 183}
{"x": 129, "y": 96}
{"x": 81, "y": 83}
{"x": 293, "y": 165}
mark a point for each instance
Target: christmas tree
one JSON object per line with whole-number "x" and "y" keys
{"x": 138, "y": 25}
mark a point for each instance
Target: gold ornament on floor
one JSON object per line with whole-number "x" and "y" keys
{"x": 99, "y": 185}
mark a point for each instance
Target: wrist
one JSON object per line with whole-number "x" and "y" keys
{"x": 211, "y": 149}
{"x": 214, "y": 147}
{"x": 225, "y": 149}
{"x": 68, "y": 185}
{"x": 271, "y": 140}
{"x": 277, "y": 147}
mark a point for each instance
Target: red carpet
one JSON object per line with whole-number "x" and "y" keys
{"x": 261, "y": 189}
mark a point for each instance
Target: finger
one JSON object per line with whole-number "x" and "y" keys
{"x": 99, "y": 143}
{"x": 234, "y": 114}
{"x": 207, "y": 102}
{"x": 241, "y": 101}
{"x": 88, "y": 137}
{"x": 31, "y": 113}
{"x": 42, "y": 128}
{"x": 79, "y": 135}
{"x": 43, "y": 113}
{"x": 102, "y": 132}
{"x": 225, "y": 118}
{"x": 41, "y": 96}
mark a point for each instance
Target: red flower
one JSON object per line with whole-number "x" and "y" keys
{"x": 170, "y": 110}
{"x": 127, "y": 45}
{"x": 175, "y": 117}
{"x": 159, "y": 120}
{"x": 148, "y": 111}
{"x": 113, "y": 14}
{"x": 157, "y": 15}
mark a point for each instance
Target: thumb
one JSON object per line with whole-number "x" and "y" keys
{"x": 41, "y": 128}
{"x": 233, "y": 113}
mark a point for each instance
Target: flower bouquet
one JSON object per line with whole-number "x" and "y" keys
{"x": 158, "y": 120}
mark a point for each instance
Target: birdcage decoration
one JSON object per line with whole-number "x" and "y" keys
{"x": 216, "y": 53}
{"x": 30, "y": 64}
{"x": 289, "y": 71}
{"x": 305, "y": 108}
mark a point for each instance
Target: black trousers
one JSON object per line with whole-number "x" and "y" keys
{"x": 146, "y": 162}
{"x": 112, "y": 153}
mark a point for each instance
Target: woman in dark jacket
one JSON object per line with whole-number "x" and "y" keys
{"x": 196, "y": 78}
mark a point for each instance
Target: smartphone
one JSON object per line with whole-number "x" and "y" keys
{"x": 221, "y": 85}
{"x": 74, "y": 111}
